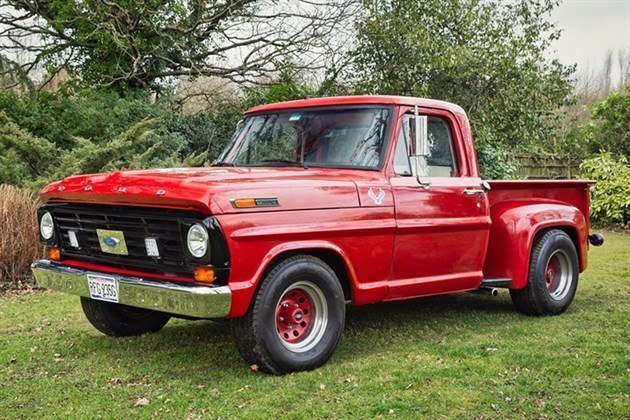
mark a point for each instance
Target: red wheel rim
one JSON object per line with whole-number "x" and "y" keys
{"x": 294, "y": 316}
{"x": 550, "y": 272}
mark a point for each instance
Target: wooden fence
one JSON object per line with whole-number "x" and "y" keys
{"x": 547, "y": 167}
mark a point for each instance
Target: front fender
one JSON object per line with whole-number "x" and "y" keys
{"x": 514, "y": 227}
{"x": 245, "y": 291}
{"x": 361, "y": 238}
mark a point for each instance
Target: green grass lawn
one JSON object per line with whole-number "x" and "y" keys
{"x": 465, "y": 355}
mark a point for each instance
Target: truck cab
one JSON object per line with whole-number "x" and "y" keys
{"x": 312, "y": 204}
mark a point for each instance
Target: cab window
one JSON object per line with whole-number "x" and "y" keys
{"x": 439, "y": 163}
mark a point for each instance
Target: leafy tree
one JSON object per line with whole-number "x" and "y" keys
{"x": 12, "y": 75}
{"x": 486, "y": 55}
{"x": 609, "y": 127}
{"x": 284, "y": 88}
{"x": 138, "y": 43}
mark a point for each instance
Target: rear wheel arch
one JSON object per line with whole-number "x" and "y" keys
{"x": 540, "y": 230}
{"x": 569, "y": 229}
{"x": 511, "y": 242}
{"x": 552, "y": 275}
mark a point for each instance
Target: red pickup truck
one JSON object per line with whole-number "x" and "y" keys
{"x": 314, "y": 203}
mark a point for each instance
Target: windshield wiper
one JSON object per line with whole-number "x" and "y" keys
{"x": 222, "y": 164}
{"x": 280, "y": 163}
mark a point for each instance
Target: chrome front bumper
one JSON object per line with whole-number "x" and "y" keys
{"x": 163, "y": 296}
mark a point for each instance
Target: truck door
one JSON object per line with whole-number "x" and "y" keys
{"x": 442, "y": 215}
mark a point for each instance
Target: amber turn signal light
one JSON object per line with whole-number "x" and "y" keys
{"x": 54, "y": 253}
{"x": 204, "y": 274}
{"x": 244, "y": 203}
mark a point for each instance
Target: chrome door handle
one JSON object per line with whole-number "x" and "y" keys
{"x": 473, "y": 191}
{"x": 425, "y": 185}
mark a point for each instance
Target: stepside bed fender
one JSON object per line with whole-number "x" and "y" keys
{"x": 515, "y": 225}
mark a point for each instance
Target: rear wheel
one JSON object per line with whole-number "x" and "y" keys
{"x": 553, "y": 276}
{"x": 121, "y": 320}
{"x": 296, "y": 319}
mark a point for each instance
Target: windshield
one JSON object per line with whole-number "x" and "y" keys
{"x": 326, "y": 137}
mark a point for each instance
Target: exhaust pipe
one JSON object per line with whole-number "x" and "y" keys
{"x": 596, "y": 239}
{"x": 492, "y": 291}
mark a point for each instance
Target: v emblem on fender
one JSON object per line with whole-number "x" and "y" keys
{"x": 377, "y": 197}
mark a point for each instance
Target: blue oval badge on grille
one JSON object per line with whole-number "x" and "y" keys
{"x": 111, "y": 242}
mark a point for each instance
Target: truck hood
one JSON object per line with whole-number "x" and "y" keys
{"x": 209, "y": 190}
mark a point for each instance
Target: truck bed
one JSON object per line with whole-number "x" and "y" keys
{"x": 519, "y": 209}
{"x": 572, "y": 192}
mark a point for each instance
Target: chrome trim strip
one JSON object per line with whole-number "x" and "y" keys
{"x": 496, "y": 282}
{"x": 178, "y": 299}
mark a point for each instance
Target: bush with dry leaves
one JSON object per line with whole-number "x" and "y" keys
{"x": 19, "y": 236}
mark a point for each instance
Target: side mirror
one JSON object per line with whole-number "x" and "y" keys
{"x": 420, "y": 136}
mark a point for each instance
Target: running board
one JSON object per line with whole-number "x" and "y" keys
{"x": 499, "y": 282}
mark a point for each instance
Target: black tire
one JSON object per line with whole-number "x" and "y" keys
{"x": 120, "y": 320}
{"x": 259, "y": 334}
{"x": 553, "y": 276}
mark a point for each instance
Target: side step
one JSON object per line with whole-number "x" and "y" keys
{"x": 499, "y": 282}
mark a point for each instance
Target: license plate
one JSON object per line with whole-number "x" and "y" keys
{"x": 103, "y": 288}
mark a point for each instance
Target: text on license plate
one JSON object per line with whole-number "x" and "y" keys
{"x": 103, "y": 288}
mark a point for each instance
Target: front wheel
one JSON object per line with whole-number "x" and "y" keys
{"x": 553, "y": 276}
{"x": 121, "y": 320}
{"x": 296, "y": 319}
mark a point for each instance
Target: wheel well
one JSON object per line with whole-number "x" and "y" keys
{"x": 569, "y": 230}
{"x": 331, "y": 258}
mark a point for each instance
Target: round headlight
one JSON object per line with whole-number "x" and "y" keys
{"x": 46, "y": 226}
{"x": 197, "y": 240}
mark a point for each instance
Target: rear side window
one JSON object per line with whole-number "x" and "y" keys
{"x": 441, "y": 159}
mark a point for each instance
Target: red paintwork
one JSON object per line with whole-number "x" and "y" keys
{"x": 293, "y": 315}
{"x": 550, "y": 272}
{"x": 122, "y": 271}
{"x": 521, "y": 209}
{"x": 416, "y": 242}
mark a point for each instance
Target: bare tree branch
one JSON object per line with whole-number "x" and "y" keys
{"x": 139, "y": 43}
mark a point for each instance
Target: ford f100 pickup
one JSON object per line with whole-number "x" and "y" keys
{"x": 313, "y": 204}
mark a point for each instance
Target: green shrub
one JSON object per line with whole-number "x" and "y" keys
{"x": 610, "y": 197}
{"x": 95, "y": 114}
{"x": 23, "y": 156}
{"x": 495, "y": 162}
{"x": 33, "y": 161}
{"x": 206, "y": 131}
